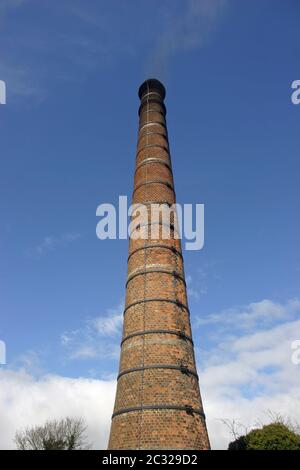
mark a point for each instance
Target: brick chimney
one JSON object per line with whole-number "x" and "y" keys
{"x": 158, "y": 403}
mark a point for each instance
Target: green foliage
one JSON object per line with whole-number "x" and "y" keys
{"x": 239, "y": 444}
{"x": 274, "y": 436}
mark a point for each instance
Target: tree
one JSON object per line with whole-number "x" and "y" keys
{"x": 65, "y": 434}
{"x": 274, "y": 436}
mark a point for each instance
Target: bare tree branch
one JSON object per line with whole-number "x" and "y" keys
{"x": 65, "y": 434}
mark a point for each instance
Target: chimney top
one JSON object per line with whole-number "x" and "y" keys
{"x": 152, "y": 84}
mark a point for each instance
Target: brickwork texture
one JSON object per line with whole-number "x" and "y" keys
{"x": 158, "y": 403}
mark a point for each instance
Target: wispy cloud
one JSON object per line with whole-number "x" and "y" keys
{"x": 6, "y": 5}
{"x": 183, "y": 30}
{"x": 191, "y": 291}
{"x": 84, "y": 352}
{"x": 56, "y": 51}
{"x": 20, "y": 81}
{"x": 111, "y": 324}
{"x": 200, "y": 282}
{"x": 93, "y": 36}
{"x": 98, "y": 337}
{"x": 262, "y": 314}
{"x": 246, "y": 367}
{"x": 51, "y": 243}
{"x": 17, "y": 74}
{"x": 197, "y": 284}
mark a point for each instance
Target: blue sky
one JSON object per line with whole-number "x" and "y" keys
{"x": 68, "y": 136}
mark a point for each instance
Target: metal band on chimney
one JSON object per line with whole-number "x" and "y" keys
{"x": 146, "y": 247}
{"x": 150, "y": 94}
{"x": 151, "y": 146}
{"x": 154, "y": 133}
{"x": 164, "y": 332}
{"x": 151, "y": 123}
{"x": 176, "y": 274}
{"x": 147, "y": 203}
{"x": 175, "y": 302}
{"x": 166, "y": 183}
{"x": 182, "y": 369}
{"x": 188, "y": 409}
{"x": 163, "y": 113}
{"x": 148, "y": 161}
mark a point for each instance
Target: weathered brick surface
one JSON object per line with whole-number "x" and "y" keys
{"x": 156, "y": 315}
{"x": 152, "y": 152}
{"x": 158, "y": 403}
{"x": 153, "y": 170}
{"x": 165, "y": 429}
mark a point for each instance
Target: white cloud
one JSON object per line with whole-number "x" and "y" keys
{"x": 246, "y": 374}
{"x": 30, "y": 361}
{"x": 242, "y": 376}
{"x": 26, "y": 401}
{"x": 65, "y": 338}
{"x": 19, "y": 81}
{"x": 84, "y": 352}
{"x": 97, "y": 337}
{"x": 50, "y": 243}
{"x": 183, "y": 31}
{"x": 110, "y": 324}
{"x": 250, "y": 413}
{"x": 262, "y": 313}
{"x": 197, "y": 285}
{"x": 191, "y": 291}
{"x": 100, "y": 42}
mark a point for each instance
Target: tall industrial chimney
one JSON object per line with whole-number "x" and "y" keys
{"x": 158, "y": 403}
